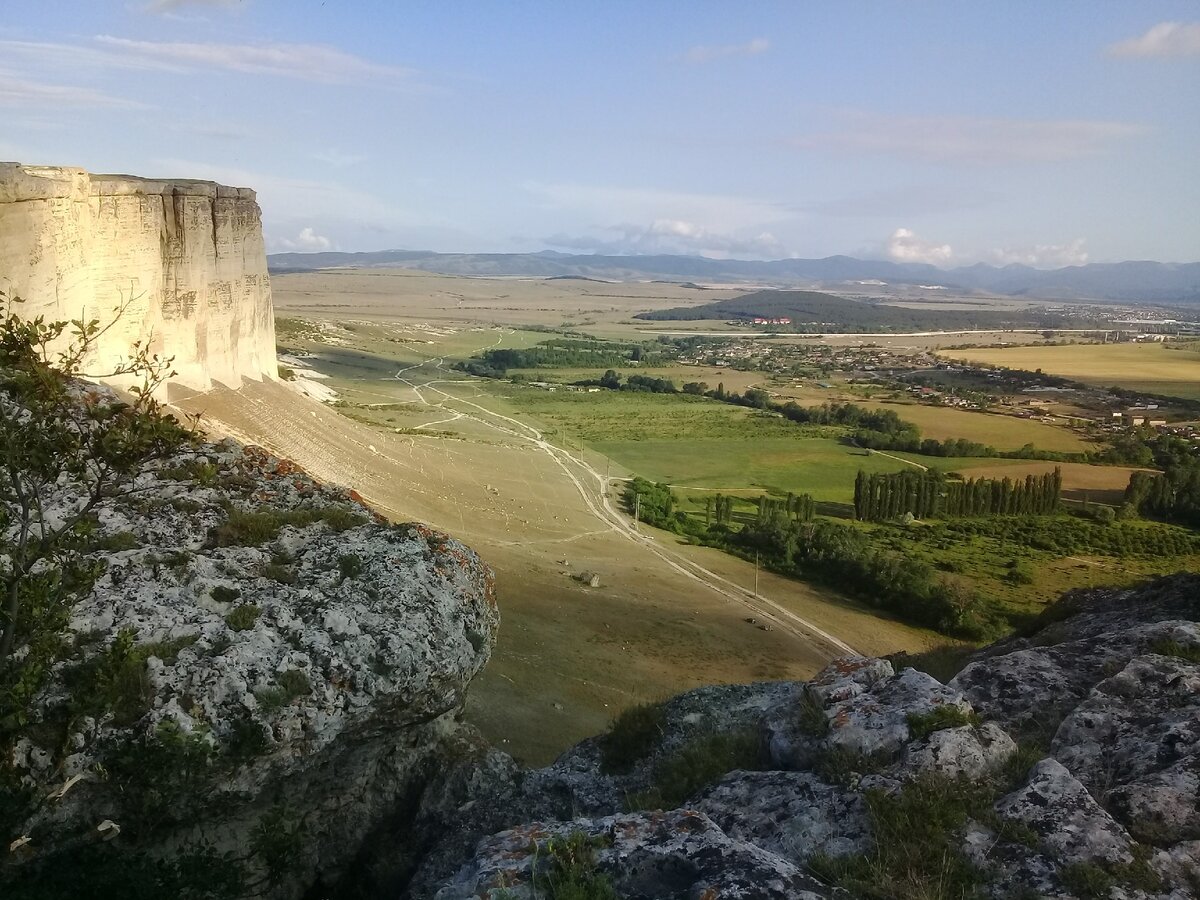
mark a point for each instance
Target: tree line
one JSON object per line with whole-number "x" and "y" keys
{"x": 883, "y": 496}
{"x": 1173, "y": 496}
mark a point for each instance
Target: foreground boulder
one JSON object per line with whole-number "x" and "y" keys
{"x": 263, "y": 677}
{"x": 1060, "y": 764}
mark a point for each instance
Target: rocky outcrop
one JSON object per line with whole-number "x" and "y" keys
{"x": 184, "y": 258}
{"x": 262, "y": 680}
{"x": 1062, "y": 764}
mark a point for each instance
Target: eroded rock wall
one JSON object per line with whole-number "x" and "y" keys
{"x": 184, "y": 258}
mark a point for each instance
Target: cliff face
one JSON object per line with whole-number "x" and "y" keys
{"x": 185, "y": 258}
{"x": 257, "y": 686}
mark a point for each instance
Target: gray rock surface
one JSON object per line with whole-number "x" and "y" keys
{"x": 311, "y": 672}
{"x": 648, "y": 856}
{"x": 1112, "y": 801}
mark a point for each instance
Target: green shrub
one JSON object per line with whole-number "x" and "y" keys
{"x": 279, "y": 573}
{"x": 350, "y": 565}
{"x": 922, "y": 725}
{"x": 243, "y": 617}
{"x": 223, "y": 594}
{"x": 841, "y": 766}
{"x": 1019, "y": 574}
{"x": 253, "y": 528}
{"x": 569, "y": 871}
{"x": 1087, "y": 881}
{"x": 634, "y": 734}
{"x": 917, "y": 852}
{"x": 277, "y": 841}
{"x": 116, "y": 542}
{"x": 116, "y": 680}
{"x": 289, "y": 685}
{"x": 701, "y": 762}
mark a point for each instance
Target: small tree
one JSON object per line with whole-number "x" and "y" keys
{"x": 66, "y": 453}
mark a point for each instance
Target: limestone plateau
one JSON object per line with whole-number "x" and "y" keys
{"x": 184, "y": 259}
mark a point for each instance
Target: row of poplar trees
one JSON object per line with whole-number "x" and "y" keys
{"x": 793, "y": 507}
{"x": 880, "y": 497}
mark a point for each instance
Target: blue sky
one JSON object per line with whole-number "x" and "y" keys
{"x": 1043, "y": 133}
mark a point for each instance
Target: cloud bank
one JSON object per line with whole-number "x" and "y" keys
{"x": 904, "y": 246}
{"x": 307, "y": 62}
{"x": 965, "y": 139}
{"x": 703, "y": 54}
{"x": 671, "y": 236}
{"x": 1163, "y": 39}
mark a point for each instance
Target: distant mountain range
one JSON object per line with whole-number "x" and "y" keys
{"x": 1125, "y": 282}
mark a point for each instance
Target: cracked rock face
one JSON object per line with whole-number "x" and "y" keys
{"x": 276, "y": 643}
{"x": 663, "y": 856}
{"x": 1104, "y": 803}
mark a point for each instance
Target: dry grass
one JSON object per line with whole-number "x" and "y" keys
{"x": 1146, "y": 367}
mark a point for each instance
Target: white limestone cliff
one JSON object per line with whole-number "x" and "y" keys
{"x": 185, "y": 259}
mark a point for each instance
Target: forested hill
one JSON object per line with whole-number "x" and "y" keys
{"x": 813, "y": 311}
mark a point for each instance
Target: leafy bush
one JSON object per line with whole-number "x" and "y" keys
{"x": 350, "y": 565}
{"x": 223, "y": 594}
{"x": 243, "y": 617}
{"x": 289, "y": 685}
{"x": 279, "y": 573}
{"x": 253, "y": 528}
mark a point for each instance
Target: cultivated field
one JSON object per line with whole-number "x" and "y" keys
{"x": 531, "y": 479}
{"x": 1150, "y": 367}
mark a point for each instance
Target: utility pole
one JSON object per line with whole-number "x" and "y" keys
{"x": 755, "y": 576}
{"x": 637, "y": 510}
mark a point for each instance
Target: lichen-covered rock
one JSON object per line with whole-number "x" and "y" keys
{"x": 967, "y": 751}
{"x": 792, "y": 814}
{"x": 1135, "y": 743}
{"x": 258, "y": 648}
{"x": 680, "y": 855}
{"x": 1068, "y": 821}
{"x": 861, "y": 749}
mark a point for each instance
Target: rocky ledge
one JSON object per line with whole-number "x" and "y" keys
{"x": 261, "y": 681}
{"x": 1062, "y": 764}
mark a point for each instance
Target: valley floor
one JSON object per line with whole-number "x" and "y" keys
{"x": 664, "y": 618}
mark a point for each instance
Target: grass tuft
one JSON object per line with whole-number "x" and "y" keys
{"x": 921, "y": 725}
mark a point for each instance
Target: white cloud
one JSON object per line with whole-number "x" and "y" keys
{"x": 672, "y": 236}
{"x": 338, "y": 159}
{"x": 307, "y": 241}
{"x": 20, "y": 92}
{"x": 1163, "y": 39}
{"x": 966, "y": 139}
{"x": 308, "y": 62}
{"x": 704, "y": 54}
{"x": 603, "y": 204}
{"x": 168, "y": 6}
{"x": 905, "y": 246}
{"x": 1043, "y": 256}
